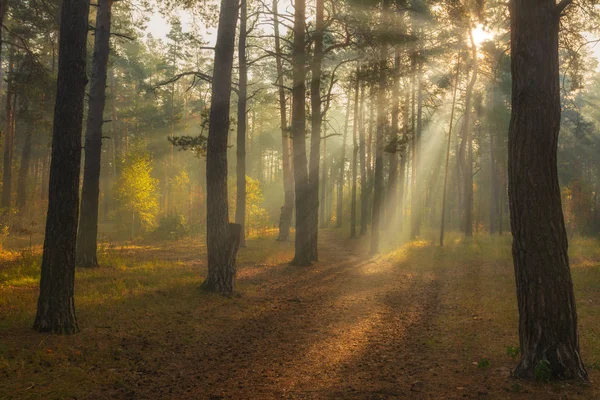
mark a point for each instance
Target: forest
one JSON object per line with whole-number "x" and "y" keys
{"x": 322, "y": 199}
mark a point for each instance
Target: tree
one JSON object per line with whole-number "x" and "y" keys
{"x": 303, "y": 255}
{"x": 354, "y": 155}
{"x": 443, "y": 220}
{"x": 9, "y": 133}
{"x": 315, "y": 134}
{"x": 547, "y": 315}
{"x": 88, "y": 221}
{"x": 285, "y": 219}
{"x": 222, "y": 238}
{"x": 56, "y": 305}
{"x": 240, "y": 209}
{"x": 135, "y": 192}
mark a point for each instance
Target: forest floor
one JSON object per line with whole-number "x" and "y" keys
{"x": 416, "y": 322}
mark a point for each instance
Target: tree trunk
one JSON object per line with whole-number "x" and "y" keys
{"x": 302, "y": 254}
{"x": 414, "y": 202}
{"x": 378, "y": 184}
{"x": 315, "y": 136}
{"x": 24, "y": 170}
{"x": 342, "y": 171}
{"x": 240, "y": 207}
{"x": 466, "y": 160}
{"x": 364, "y": 192}
{"x": 56, "y": 305}
{"x": 355, "y": 125}
{"x": 324, "y": 215}
{"x": 88, "y": 221}
{"x": 9, "y": 137}
{"x": 285, "y": 220}
{"x": 392, "y": 192}
{"x": 446, "y": 171}
{"x": 220, "y": 234}
{"x": 547, "y": 314}
{"x": 417, "y": 195}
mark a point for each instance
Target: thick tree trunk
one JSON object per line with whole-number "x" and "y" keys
{"x": 220, "y": 234}
{"x": 240, "y": 206}
{"x": 302, "y": 254}
{"x": 56, "y": 305}
{"x": 362, "y": 157}
{"x": 547, "y": 314}
{"x": 285, "y": 220}
{"x": 315, "y": 135}
{"x": 355, "y": 125}
{"x": 342, "y": 170}
{"x": 87, "y": 234}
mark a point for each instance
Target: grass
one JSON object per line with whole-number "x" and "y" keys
{"x": 143, "y": 306}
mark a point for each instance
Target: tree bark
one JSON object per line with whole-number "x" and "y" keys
{"x": 467, "y": 146}
{"x": 547, "y": 314}
{"x": 240, "y": 207}
{"x": 446, "y": 171}
{"x": 285, "y": 220}
{"x": 220, "y": 236}
{"x": 324, "y": 215}
{"x": 9, "y": 137}
{"x": 342, "y": 170}
{"x": 87, "y": 234}
{"x": 378, "y": 184}
{"x": 315, "y": 135}
{"x": 392, "y": 192}
{"x": 302, "y": 254}
{"x": 56, "y": 305}
{"x": 24, "y": 170}
{"x": 355, "y": 125}
{"x": 364, "y": 192}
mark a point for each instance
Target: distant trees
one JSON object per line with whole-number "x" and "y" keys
{"x": 547, "y": 313}
{"x": 56, "y": 305}
{"x": 136, "y": 192}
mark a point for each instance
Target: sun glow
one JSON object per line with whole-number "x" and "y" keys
{"x": 480, "y": 34}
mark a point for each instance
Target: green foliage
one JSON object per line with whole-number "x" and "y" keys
{"x": 257, "y": 218}
{"x": 483, "y": 364}
{"x": 513, "y": 352}
{"x": 594, "y": 366}
{"x": 172, "y": 227}
{"x": 542, "y": 371}
{"x": 135, "y": 192}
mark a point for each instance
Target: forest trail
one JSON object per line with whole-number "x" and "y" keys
{"x": 349, "y": 327}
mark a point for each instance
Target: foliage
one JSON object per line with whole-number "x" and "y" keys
{"x": 513, "y": 352}
{"x": 135, "y": 192}
{"x": 542, "y": 371}
{"x": 172, "y": 227}
{"x": 257, "y": 218}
